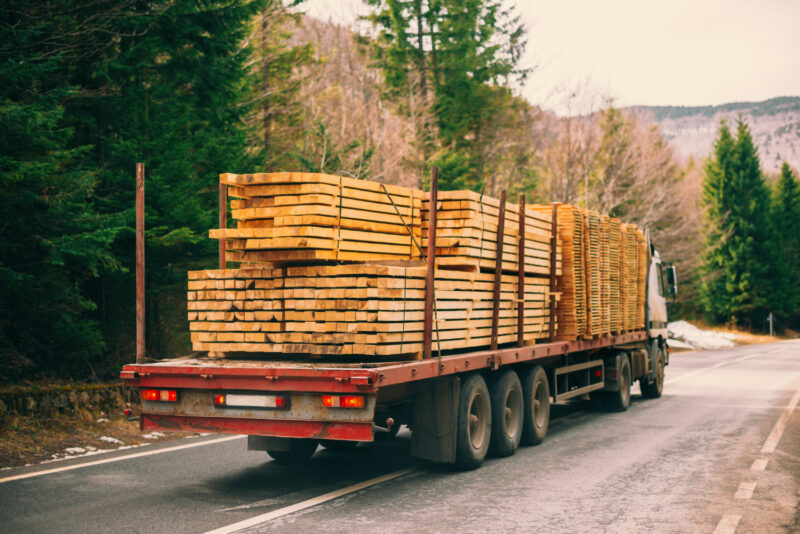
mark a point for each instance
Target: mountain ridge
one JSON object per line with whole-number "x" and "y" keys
{"x": 691, "y": 130}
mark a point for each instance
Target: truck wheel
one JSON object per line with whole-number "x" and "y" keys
{"x": 507, "y": 414}
{"x": 474, "y": 430}
{"x": 300, "y": 451}
{"x": 654, "y": 389}
{"x": 618, "y": 401}
{"x": 536, "y": 395}
{"x": 336, "y": 445}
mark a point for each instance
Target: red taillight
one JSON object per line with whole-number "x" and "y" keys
{"x": 598, "y": 373}
{"x": 160, "y": 395}
{"x": 343, "y": 401}
{"x": 281, "y": 402}
{"x": 219, "y": 400}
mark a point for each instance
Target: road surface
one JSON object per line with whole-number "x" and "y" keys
{"x": 719, "y": 452}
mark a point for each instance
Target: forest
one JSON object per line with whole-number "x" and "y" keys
{"x": 195, "y": 88}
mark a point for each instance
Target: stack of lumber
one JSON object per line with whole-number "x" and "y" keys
{"x": 616, "y": 308}
{"x": 597, "y": 275}
{"x": 571, "y": 283}
{"x": 294, "y": 217}
{"x": 466, "y": 233}
{"x": 630, "y": 268}
{"x": 357, "y": 309}
{"x": 331, "y": 266}
{"x": 641, "y": 279}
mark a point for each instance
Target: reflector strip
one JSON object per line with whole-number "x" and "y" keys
{"x": 239, "y": 400}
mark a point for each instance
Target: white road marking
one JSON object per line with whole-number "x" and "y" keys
{"x": 715, "y": 366}
{"x": 728, "y": 524}
{"x": 777, "y": 431}
{"x": 759, "y": 464}
{"x": 280, "y": 512}
{"x": 745, "y": 490}
{"x": 116, "y": 459}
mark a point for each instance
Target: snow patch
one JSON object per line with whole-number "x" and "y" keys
{"x": 154, "y": 435}
{"x": 102, "y": 420}
{"x": 80, "y": 452}
{"x": 109, "y": 439}
{"x": 696, "y": 338}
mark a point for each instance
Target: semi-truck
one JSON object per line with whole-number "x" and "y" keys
{"x": 459, "y": 406}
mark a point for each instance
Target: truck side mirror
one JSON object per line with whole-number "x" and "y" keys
{"x": 672, "y": 281}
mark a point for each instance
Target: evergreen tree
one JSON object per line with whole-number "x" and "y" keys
{"x": 740, "y": 262}
{"x": 786, "y": 216}
{"x": 461, "y": 52}
{"x": 52, "y": 242}
{"x": 716, "y": 203}
{"x": 90, "y": 89}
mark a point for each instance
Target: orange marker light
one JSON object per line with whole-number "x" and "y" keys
{"x": 160, "y": 395}
{"x": 343, "y": 401}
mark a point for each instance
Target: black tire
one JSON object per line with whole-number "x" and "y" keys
{"x": 653, "y": 390}
{"x": 536, "y": 396}
{"x": 301, "y": 450}
{"x": 474, "y": 431}
{"x": 508, "y": 410}
{"x": 336, "y": 445}
{"x": 618, "y": 401}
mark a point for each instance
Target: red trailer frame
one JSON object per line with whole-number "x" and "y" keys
{"x": 278, "y": 376}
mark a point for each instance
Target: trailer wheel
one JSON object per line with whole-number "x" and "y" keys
{"x": 474, "y": 430}
{"x": 653, "y": 390}
{"x": 300, "y": 451}
{"x": 507, "y": 414}
{"x": 618, "y": 401}
{"x": 337, "y": 445}
{"x": 536, "y": 395}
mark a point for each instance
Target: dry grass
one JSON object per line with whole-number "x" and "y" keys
{"x": 28, "y": 440}
{"x": 743, "y": 337}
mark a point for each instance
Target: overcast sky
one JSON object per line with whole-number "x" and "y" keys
{"x": 666, "y": 52}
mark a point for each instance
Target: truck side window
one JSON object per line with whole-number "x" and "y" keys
{"x": 660, "y": 280}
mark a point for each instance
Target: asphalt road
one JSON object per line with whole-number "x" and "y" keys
{"x": 692, "y": 461}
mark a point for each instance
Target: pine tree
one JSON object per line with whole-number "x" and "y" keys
{"x": 716, "y": 202}
{"x": 52, "y": 242}
{"x": 740, "y": 262}
{"x": 786, "y": 217}
{"x": 461, "y": 52}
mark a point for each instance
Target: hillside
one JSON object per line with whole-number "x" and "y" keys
{"x": 775, "y": 124}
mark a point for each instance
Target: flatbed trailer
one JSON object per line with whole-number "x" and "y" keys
{"x": 459, "y": 405}
{"x": 282, "y": 404}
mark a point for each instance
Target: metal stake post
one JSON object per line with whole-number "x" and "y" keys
{"x": 498, "y": 267}
{"x": 521, "y": 275}
{"x": 553, "y": 286}
{"x": 427, "y": 334}
{"x": 140, "y": 341}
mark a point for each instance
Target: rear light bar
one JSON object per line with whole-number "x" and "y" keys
{"x": 343, "y": 401}
{"x": 160, "y": 395}
{"x": 245, "y": 400}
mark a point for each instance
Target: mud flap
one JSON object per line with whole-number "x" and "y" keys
{"x": 435, "y": 420}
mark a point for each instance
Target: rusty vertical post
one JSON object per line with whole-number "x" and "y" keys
{"x": 223, "y": 222}
{"x": 140, "y": 342}
{"x": 427, "y": 334}
{"x": 521, "y": 274}
{"x": 553, "y": 253}
{"x": 498, "y": 267}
